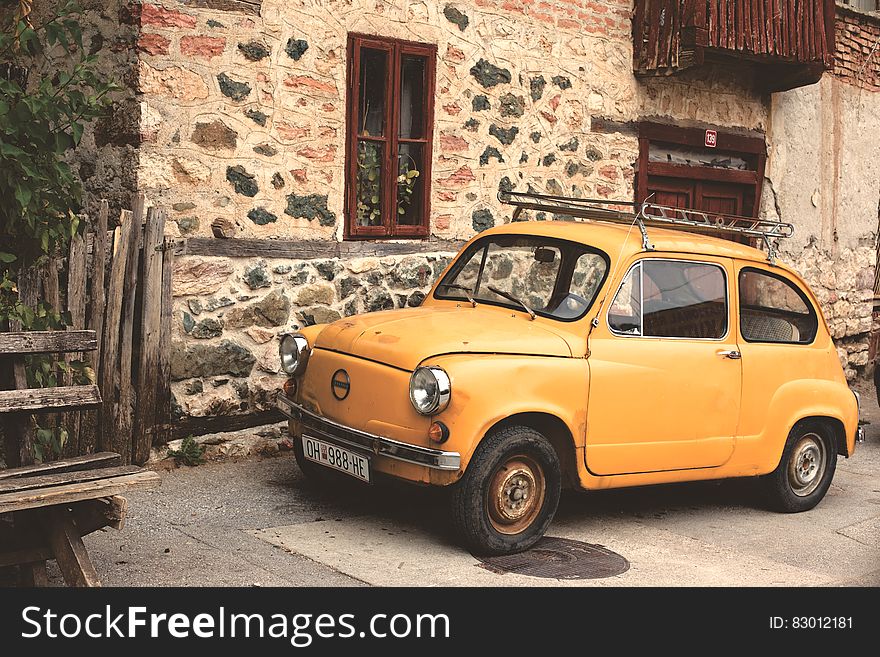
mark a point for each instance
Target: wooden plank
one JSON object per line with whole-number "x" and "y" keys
{"x": 639, "y": 60}
{"x": 308, "y": 249}
{"x": 748, "y": 44}
{"x": 27, "y": 555}
{"x": 41, "y": 399}
{"x": 151, "y": 329}
{"x": 58, "y": 479}
{"x": 18, "y": 429}
{"x": 653, "y": 34}
{"x": 69, "y": 551}
{"x": 664, "y": 36}
{"x": 34, "y": 574}
{"x": 91, "y": 419}
{"x": 122, "y": 411}
{"x": 727, "y": 141}
{"x": 41, "y": 342}
{"x": 758, "y": 25}
{"x": 76, "y": 306}
{"x": 740, "y": 24}
{"x": 77, "y": 463}
{"x": 110, "y": 346}
{"x": 200, "y": 426}
{"x": 67, "y": 494}
{"x": 702, "y": 173}
{"x": 162, "y": 419}
{"x": 241, "y": 6}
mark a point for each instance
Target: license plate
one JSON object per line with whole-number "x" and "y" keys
{"x": 338, "y": 458}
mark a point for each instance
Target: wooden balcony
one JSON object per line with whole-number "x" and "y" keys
{"x": 792, "y": 41}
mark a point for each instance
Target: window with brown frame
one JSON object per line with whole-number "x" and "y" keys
{"x": 390, "y": 121}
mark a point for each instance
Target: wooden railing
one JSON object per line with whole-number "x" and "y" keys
{"x": 669, "y": 35}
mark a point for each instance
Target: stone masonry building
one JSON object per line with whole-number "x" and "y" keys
{"x": 283, "y": 137}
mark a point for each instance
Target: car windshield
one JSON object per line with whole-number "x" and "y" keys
{"x": 552, "y": 277}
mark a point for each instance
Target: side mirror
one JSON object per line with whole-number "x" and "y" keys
{"x": 544, "y": 255}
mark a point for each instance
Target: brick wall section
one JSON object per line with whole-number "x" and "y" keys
{"x": 857, "y": 50}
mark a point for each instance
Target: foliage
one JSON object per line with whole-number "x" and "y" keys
{"x": 406, "y": 187}
{"x": 190, "y": 452}
{"x": 49, "y": 91}
{"x": 369, "y": 185}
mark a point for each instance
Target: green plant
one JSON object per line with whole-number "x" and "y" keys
{"x": 190, "y": 452}
{"x": 369, "y": 185}
{"x": 406, "y": 186}
{"x": 49, "y": 91}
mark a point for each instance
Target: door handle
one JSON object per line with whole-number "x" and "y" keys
{"x": 732, "y": 354}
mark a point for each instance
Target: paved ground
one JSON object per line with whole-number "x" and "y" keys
{"x": 258, "y": 522}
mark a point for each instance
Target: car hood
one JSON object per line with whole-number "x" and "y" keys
{"x": 405, "y": 338}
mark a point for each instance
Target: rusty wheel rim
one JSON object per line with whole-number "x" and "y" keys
{"x": 807, "y": 465}
{"x": 515, "y": 494}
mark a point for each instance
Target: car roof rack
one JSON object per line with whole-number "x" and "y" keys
{"x": 648, "y": 214}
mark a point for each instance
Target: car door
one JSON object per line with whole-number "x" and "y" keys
{"x": 665, "y": 371}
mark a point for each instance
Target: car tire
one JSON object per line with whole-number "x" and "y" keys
{"x": 509, "y": 493}
{"x": 805, "y": 470}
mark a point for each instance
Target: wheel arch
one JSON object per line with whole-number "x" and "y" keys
{"x": 556, "y": 431}
{"x": 834, "y": 426}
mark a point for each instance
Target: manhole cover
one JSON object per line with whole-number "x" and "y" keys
{"x": 560, "y": 558}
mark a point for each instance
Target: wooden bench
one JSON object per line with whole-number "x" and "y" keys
{"x": 46, "y": 509}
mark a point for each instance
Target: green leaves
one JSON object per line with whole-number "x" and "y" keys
{"x": 50, "y": 91}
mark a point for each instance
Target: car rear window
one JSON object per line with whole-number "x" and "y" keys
{"x": 773, "y": 309}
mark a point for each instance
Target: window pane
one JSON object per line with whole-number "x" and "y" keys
{"x": 625, "y": 314}
{"x": 371, "y": 94}
{"x": 772, "y": 310}
{"x": 410, "y": 184}
{"x": 370, "y": 156}
{"x": 412, "y": 97}
{"x": 683, "y": 300}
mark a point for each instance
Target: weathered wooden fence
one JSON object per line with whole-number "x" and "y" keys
{"x": 116, "y": 282}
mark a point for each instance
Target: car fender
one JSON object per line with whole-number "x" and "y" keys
{"x": 488, "y": 389}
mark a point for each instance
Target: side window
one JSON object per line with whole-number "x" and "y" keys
{"x": 625, "y": 314}
{"x": 773, "y": 309}
{"x": 671, "y": 299}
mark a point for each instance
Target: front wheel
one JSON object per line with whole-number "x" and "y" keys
{"x": 805, "y": 470}
{"x": 507, "y": 497}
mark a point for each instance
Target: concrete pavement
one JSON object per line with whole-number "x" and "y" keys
{"x": 258, "y": 522}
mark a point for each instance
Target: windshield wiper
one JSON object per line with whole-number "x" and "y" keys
{"x": 467, "y": 291}
{"x": 507, "y": 295}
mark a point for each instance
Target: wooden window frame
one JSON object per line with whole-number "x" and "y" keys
{"x": 754, "y": 148}
{"x": 396, "y": 48}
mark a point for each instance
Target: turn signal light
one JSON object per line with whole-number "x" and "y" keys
{"x": 438, "y": 433}
{"x": 290, "y": 388}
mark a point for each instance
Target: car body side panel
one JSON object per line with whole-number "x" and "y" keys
{"x": 487, "y": 389}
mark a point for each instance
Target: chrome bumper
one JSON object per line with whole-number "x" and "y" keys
{"x": 860, "y": 434}
{"x": 343, "y": 436}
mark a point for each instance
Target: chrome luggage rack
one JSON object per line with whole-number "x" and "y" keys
{"x": 648, "y": 214}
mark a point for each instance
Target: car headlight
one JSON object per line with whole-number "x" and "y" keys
{"x": 429, "y": 390}
{"x": 294, "y": 353}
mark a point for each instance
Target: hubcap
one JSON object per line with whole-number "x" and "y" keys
{"x": 515, "y": 494}
{"x": 807, "y": 465}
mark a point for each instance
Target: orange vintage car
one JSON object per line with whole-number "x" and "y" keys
{"x": 616, "y": 351}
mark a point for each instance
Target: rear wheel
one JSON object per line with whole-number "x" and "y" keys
{"x": 507, "y": 497}
{"x": 805, "y": 470}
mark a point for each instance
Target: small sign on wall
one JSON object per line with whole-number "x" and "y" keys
{"x": 711, "y": 138}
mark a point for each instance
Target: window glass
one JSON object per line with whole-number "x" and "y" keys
{"x": 683, "y": 300}
{"x": 671, "y": 299}
{"x": 553, "y": 278}
{"x": 625, "y": 315}
{"x": 773, "y": 309}
{"x": 389, "y": 118}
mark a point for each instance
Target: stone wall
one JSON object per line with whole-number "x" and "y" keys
{"x": 243, "y": 134}
{"x": 823, "y": 175}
